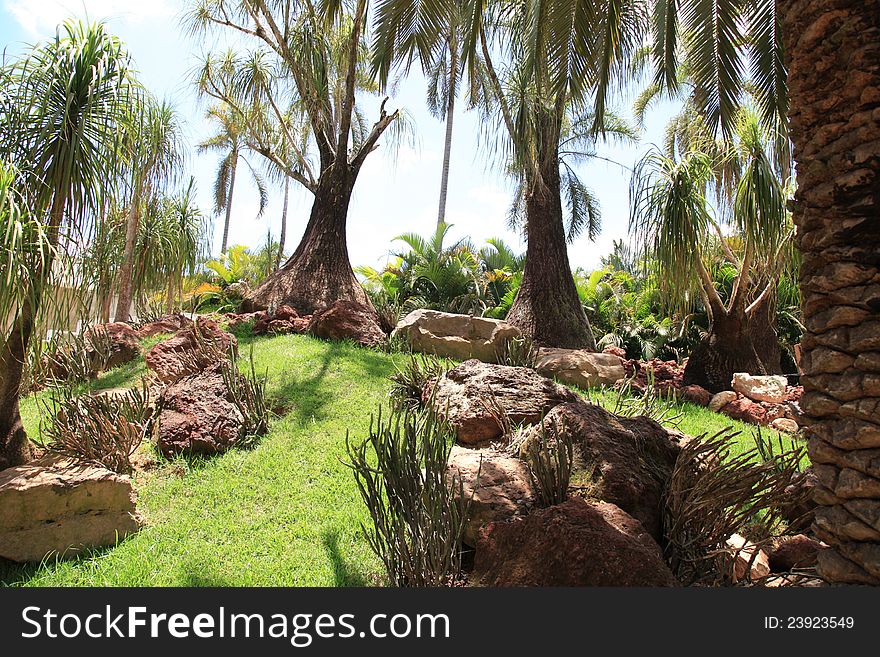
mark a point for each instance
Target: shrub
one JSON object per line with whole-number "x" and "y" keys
{"x": 418, "y": 513}
{"x": 550, "y": 460}
{"x": 409, "y": 382}
{"x": 517, "y": 352}
{"x": 248, "y": 394}
{"x": 661, "y": 407}
{"x": 99, "y": 428}
{"x": 712, "y": 495}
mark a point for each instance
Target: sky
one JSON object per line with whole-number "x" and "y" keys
{"x": 394, "y": 194}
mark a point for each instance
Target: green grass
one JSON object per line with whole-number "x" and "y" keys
{"x": 286, "y": 513}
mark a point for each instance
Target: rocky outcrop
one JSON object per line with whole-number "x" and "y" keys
{"x": 496, "y": 485}
{"x": 168, "y": 324}
{"x": 284, "y": 322}
{"x": 190, "y": 350}
{"x": 572, "y": 544}
{"x": 579, "y": 367}
{"x": 478, "y": 399}
{"x": 625, "y": 461}
{"x": 55, "y": 507}
{"x": 197, "y": 415}
{"x": 460, "y": 337}
{"x": 770, "y": 389}
{"x": 113, "y": 344}
{"x": 348, "y": 320}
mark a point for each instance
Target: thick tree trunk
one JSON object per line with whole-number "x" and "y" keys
{"x": 228, "y": 218}
{"x": 765, "y": 336}
{"x": 283, "y": 239}
{"x": 319, "y": 272}
{"x": 833, "y": 50}
{"x": 547, "y": 308}
{"x": 126, "y": 273}
{"x": 729, "y": 348}
{"x": 14, "y": 445}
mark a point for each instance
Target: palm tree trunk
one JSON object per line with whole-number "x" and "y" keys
{"x": 232, "y": 171}
{"x": 126, "y": 272}
{"x": 283, "y": 238}
{"x": 833, "y": 50}
{"x": 319, "y": 272}
{"x": 447, "y": 148}
{"x": 547, "y": 308}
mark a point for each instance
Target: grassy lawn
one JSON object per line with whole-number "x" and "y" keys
{"x": 286, "y": 513}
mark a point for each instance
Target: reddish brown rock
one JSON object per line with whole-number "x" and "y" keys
{"x": 572, "y": 544}
{"x": 696, "y": 395}
{"x": 198, "y": 416}
{"x": 348, "y": 320}
{"x": 667, "y": 375}
{"x": 625, "y": 461}
{"x": 799, "y": 551}
{"x": 474, "y": 396}
{"x": 190, "y": 350}
{"x": 286, "y": 313}
{"x": 746, "y": 410}
{"x": 113, "y": 344}
{"x": 167, "y": 324}
{"x": 616, "y": 351}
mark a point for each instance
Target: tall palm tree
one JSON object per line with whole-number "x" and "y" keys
{"x": 311, "y": 57}
{"x": 66, "y": 105}
{"x": 555, "y": 61}
{"x": 157, "y": 154}
{"x": 832, "y": 49}
{"x": 230, "y": 143}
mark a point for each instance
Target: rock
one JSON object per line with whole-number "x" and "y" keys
{"x": 460, "y": 337}
{"x": 198, "y": 416}
{"x": 749, "y": 562}
{"x": 625, "y": 461}
{"x": 497, "y": 484}
{"x": 167, "y": 324}
{"x": 238, "y": 291}
{"x": 770, "y": 389}
{"x": 721, "y": 399}
{"x": 348, "y": 320}
{"x": 234, "y": 320}
{"x": 113, "y": 344}
{"x": 579, "y": 367}
{"x": 746, "y": 410}
{"x": 472, "y": 395}
{"x": 190, "y": 350}
{"x": 696, "y": 395}
{"x": 666, "y": 375}
{"x": 799, "y": 551}
{"x": 801, "y": 505}
{"x": 615, "y": 351}
{"x": 571, "y": 544}
{"x": 286, "y": 313}
{"x": 785, "y": 424}
{"x": 55, "y": 506}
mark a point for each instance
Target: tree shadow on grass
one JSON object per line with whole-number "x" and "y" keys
{"x": 344, "y": 573}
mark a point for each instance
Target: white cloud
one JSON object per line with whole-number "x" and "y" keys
{"x": 40, "y": 17}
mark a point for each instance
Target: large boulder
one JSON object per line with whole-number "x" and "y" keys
{"x": 114, "y": 344}
{"x": 579, "y": 367}
{"x": 168, "y": 324}
{"x": 57, "y": 507}
{"x": 190, "y": 350}
{"x": 476, "y": 397}
{"x": 696, "y": 395}
{"x": 497, "y": 485}
{"x": 348, "y": 320}
{"x": 197, "y": 415}
{"x": 625, "y": 461}
{"x": 460, "y": 337}
{"x": 746, "y": 410}
{"x": 571, "y": 544}
{"x": 771, "y": 389}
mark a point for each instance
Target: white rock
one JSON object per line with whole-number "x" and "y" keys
{"x": 581, "y": 368}
{"x": 769, "y": 389}
{"x": 455, "y": 336}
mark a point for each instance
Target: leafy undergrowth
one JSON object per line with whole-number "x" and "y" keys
{"x": 286, "y": 513}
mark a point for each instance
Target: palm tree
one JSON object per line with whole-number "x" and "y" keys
{"x": 557, "y": 63}
{"x": 230, "y": 143}
{"x": 157, "y": 154}
{"x": 306, "y": 70}
{"x": 66, "y": 106}
{"x": 832, "y": 49}
{"x": 671, "y": 221}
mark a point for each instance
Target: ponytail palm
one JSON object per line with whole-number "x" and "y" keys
{"x": 66, "y": 106}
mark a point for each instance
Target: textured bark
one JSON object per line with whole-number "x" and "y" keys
{"x": 547, "y": 308}
{"x": 282, "y": 241}
{"x": 14, "y": 446}
{"x": 126, "y": 272}
{"x": 319, "y": 272}
{"x": 232, "y": 171}
{"x": 765, "y": 336}
{"x": 833, "y": 50}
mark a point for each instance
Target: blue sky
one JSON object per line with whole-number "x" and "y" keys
{"x": 392, "y": 196}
